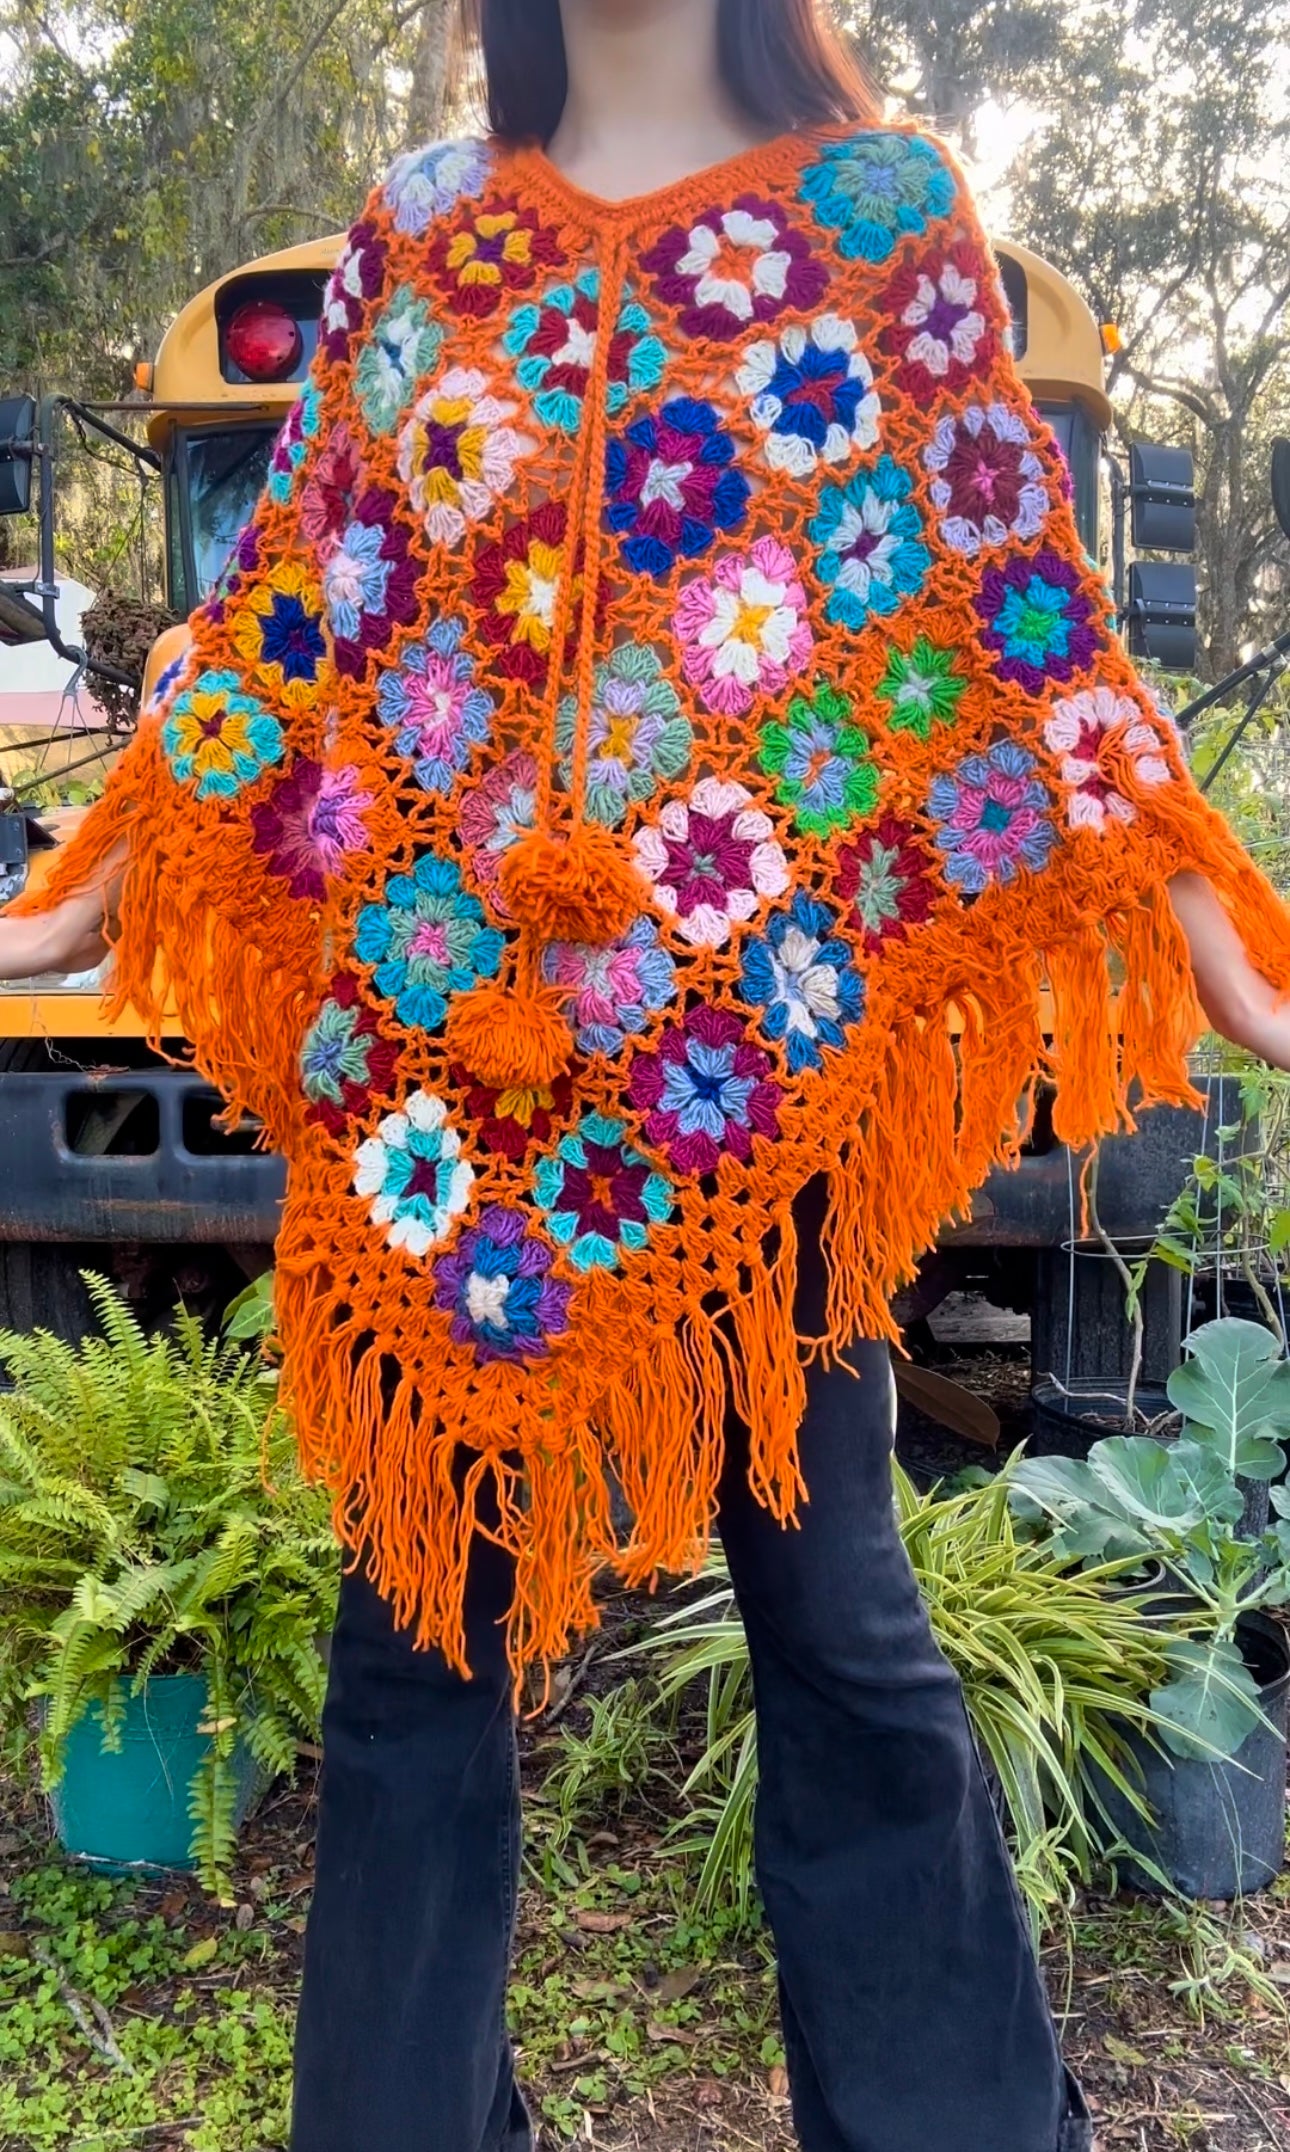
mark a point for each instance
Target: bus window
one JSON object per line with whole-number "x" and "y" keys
{"x": 1081, "y": 445}
{"x": 1016, "y": 295}
{"x": 222, "y": 475}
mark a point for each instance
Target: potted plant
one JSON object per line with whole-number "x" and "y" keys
{"x": 1216, "y": 1778}
{"x": 160, "y": 1602}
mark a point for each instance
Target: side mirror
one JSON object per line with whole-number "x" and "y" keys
{"x": 1163, "y": 498}
{"x": 1281, "y": 482}
{"x": 17, "y": 453}
{"x": 1162, "y": 613}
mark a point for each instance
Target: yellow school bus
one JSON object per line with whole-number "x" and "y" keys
{"x": 101, "y": 1140}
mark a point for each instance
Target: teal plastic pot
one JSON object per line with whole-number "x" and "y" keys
{"x": 129, "y": 1809}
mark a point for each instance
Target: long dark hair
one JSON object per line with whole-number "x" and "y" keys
{"x": 779, "y": 61}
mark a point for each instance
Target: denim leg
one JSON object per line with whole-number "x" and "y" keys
{"x": 401, "y": 2041}
{"x": 914, "y": 2014}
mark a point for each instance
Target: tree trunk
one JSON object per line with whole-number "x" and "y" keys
{"x": 429, "y": 92}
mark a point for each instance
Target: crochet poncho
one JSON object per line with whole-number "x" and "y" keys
{"x": 661, "y": 685}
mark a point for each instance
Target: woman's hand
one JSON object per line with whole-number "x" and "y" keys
{"x": 1239, "y": 1002}
{"x": 71, "y": 937}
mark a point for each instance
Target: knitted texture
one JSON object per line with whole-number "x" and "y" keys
{"x": 661, "y": 685}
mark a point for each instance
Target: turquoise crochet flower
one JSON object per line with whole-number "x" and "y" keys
{"x": 404, "y": 344}
{"x": 553, "y": 343}
{"x": 292, "y": 443}
{"x": 426, "y": 941}
{"x": 600, "y": 1196}
{"x": 870, "y": 533}
{"x": 876, "y": 188}
{"x": 217, "y": 738}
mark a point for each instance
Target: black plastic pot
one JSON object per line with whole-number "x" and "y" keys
{"x": 1067, "y": 1419}
{"x": 1219, "y": 1827}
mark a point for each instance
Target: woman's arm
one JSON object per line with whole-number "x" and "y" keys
{"x": 71, "y": 937}
{"x": 1239, "y": 1002}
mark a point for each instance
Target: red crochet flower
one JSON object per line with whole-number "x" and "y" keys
{"x": 734, "y": 267}
{"x": 941, "y": 333}
{"x": 345, "y": 1063}
{"x": 885, "y": 878}
{"x": 328, "y": 500}
{"x": 516, "y": 586}
{"x": 510, "y": 1122}
{"x": 489, "y": 253}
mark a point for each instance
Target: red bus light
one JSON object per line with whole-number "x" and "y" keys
{"x": 263, "y": 341}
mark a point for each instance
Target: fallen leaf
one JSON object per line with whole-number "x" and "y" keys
{"x": 596, "y": 1991}
{"x": 244, "y": 1917}
{"x": 675, "y": 1984}
{"x": 1280, "y": 1973}
{"x": 600, "y": 1923}
{"x": 777, "y": 2081}
{"x": 708, "y": 2093}
{"x": 671, "y": 2035}
{"x": 13, "y": 1944}
{"x": 296, "y": 1924}
{"x": 1120, "y": 2051}
{"x": 200, "y": 1954}
{"x": 173, "y": 1904}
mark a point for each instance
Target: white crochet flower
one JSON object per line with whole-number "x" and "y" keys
{"x": 712, "y": 859}
{"x": 1076, "y": 733}
{"x": 414, "y": 1174}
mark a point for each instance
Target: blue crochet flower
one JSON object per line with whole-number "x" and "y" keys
{"x": 355, "y": 579}
{"x": 496, "y": 1284}
{"x": 600, "y": 1195}
{"x": 427, "y": 940}
{"x": 992, "y": 817}
{"x": 870, "y": 532}
{"x": 432, "y": 704}
{"x": 876, "y": 188}
{"x": 671, "y": 485}
{"x": 553, "y": 342}
{"x": 800, "y": 974}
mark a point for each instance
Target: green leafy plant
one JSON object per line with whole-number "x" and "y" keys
{"x": 250, "y": 1318}
{"x": 1053, "y": 1669}
{"x": 1179, "y": 1503}
{"x": 138, "y": 1537}
{"x": 597, "y": 1771}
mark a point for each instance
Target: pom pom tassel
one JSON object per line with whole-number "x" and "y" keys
{"x": 509, "y": 1037}
{"x": 582, "y": 888}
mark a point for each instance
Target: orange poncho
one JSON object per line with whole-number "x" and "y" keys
{"x": 661, "y": 679}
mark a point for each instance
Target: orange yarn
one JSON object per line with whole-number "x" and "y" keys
{"x": 661, "y": 681}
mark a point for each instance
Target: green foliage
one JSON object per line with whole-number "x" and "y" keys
{"x": 138, "y": 1536}
{"x": 595, "y": 1773}
{"x": 1179, "y": 1503}
{"x": 249, "y": 1319}
{"x": 1052, "y": 1668}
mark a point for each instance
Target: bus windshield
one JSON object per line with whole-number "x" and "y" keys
{"x": 226, "y": 474}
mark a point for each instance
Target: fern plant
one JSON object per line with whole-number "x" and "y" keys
{"x": 138, "y": 1537}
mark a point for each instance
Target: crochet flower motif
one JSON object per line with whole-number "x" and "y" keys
{"x": 812, "y": 395}
{"x": 600, "y": 1196}
{"x": 939, "y": 337}
{"x": 312, "y": 817}
{"x": 553, "y": 343}
{"x": 413, "y": 1175}
{"x": 278, "y": 635}
{"x": 428, "y": 183}
{"x": 992, "y": 817}
{"x": 432, "y": 705}
{"x": 403, "y": 345}
{"x": 876, "y": 188}
{"x": 344, "y": 1062}
{"x": 489, "y": 252}
{"x": 516, "y": 586}
{"x": 636, "y": 733}
{"x": 612, "y": 992}
{"x": 290, "y": 448}
{"x": 427, "y": 939}
{"x": 357, "y": 277}
{"x": 369, "y": 583}
{"x": 671, "y": 485}
{"x": 735, "y": 267}
{"x": 744, "y": 631}
{"x": 495, "y": 814}
{"x": 1079, "y": 728}
{"x": 498, "y": 1288}
{"x": 872, "y": 554}
{"x": 885, "y": 877}
{"x": 711, "y": 860}
{"x": 510, "y": 1122}
{"x": 327, "y": 502}
{"x": 800, "y": 975}
{"x": 218, "y": 738}
{"x": 822, "y": 761}
{"x": 707, "y": 1090}
{"x": 921, "y": 688}
{"x": 1037, "y": 620}
{"x": 987, "y": 481}
{"x": 457, "y": 455}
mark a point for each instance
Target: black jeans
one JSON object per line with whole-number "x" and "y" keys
{"x": 914, "y": 2015}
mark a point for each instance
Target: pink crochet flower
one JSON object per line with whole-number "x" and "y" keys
{"x": 311, "y": 819}
{"x": 495, "y": 813}
{"x": 1077, "y": 731}
{"x": 712, "y": 860}
{"x": 744, "y": 630}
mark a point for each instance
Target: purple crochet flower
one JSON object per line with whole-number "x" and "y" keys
{"x": 357, "y": 277}
{"x": 1037, "y": 620}
{"x": 708, "y": 1089}
{"x": 497, "y": 1286}
{"x": 310, "y": 820}
{"x": 992, "y": 817}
